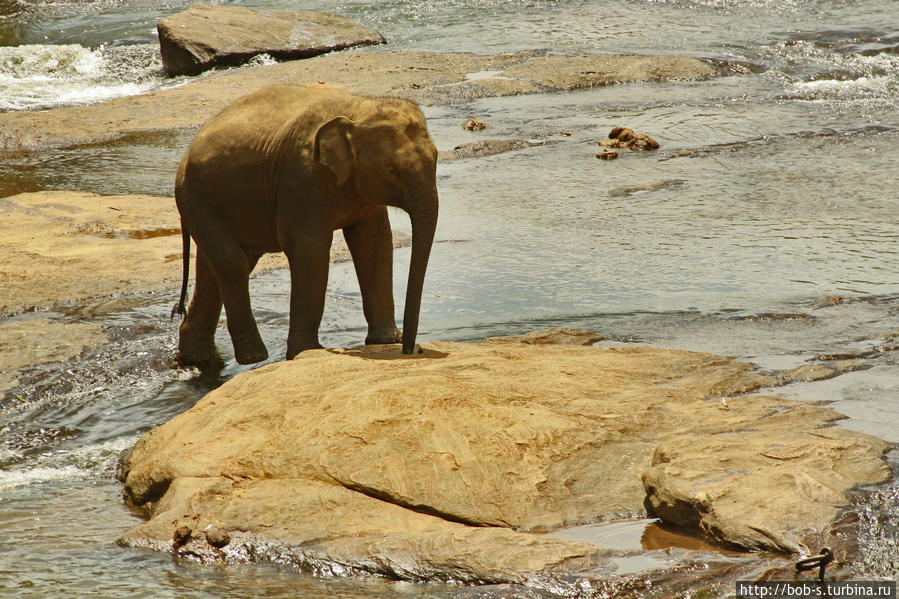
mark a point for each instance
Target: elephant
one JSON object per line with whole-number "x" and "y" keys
{"x": 279, "y": 171}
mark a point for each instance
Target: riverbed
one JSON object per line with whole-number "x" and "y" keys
{"x": 766, "y": 227}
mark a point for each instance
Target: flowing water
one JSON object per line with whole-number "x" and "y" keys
{"x": 766, "y": 228}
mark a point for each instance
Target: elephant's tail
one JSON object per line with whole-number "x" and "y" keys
{"x": 185, "y": 265}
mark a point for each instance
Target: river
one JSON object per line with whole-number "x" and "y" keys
{"x": 766, "y": 228}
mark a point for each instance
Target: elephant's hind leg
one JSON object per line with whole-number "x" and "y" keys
{"x": 371, "y": 245}
{"x": 234, "y": 283}
{"x": 232, "y": 266}
{"x": 196, "y": 335}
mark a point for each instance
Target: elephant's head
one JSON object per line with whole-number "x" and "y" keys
{"x": 383, "y": 152}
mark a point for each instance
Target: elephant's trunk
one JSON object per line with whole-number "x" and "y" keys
{"x": 423, "y": 214}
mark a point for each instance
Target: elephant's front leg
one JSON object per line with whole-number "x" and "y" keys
{"x": 309, "y": 257}
{"x": 371, "y": 245}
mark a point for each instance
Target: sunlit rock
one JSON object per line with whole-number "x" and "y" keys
{"x": 429, "y": 78}
{"x": 204, "y": 36}
{"x": 446, "y": 464}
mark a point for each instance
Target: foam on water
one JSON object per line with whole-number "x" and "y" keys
{"x": 63, "y": 465}
{"x": 40, "y": 76}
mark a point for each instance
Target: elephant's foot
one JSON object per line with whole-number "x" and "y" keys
{"x": 203, "y": 357}
{"x": 249, "y": 348}
{"x": 295, "y": 347}
{"x": 383, "y": 335}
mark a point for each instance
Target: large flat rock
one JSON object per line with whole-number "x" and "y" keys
{"x": 204, "y": 37}
{"x": 425, "y": 77}
{"x": 446, "y": 464}
{"x": 65, "y": 246}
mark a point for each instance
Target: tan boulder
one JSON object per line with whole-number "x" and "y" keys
{"x": 577, "y": 72}
{"x": 437, "y": 464}
{"x": 767, "y": 488}
{"x": 204, "y": 36}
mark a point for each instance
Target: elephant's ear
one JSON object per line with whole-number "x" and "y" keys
{"x": 334, "y": 147}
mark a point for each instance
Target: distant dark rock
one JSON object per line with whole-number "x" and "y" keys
{"x": 204, "y": 37}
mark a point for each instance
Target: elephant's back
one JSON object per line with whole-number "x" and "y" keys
{"x": 247, "y": 130}
{"x": 266, "y": 111}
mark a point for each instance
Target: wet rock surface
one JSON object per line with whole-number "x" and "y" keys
{"x": 204, "y": 36}
{"x": 425, "y": 77}
{"x": 41, "y": 341}
{"x": 556, "y": 336}
{"x": 487, "y": 147}
{"x": 628, "y": 190}
{"x": 446, "y": 464}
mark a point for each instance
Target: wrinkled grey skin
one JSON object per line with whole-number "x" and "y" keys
{"x": 281, "y": 170}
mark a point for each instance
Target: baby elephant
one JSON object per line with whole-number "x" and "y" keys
{"x": 279, "y": 171}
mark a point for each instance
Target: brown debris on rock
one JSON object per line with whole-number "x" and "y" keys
{"x": 204, "y": 37}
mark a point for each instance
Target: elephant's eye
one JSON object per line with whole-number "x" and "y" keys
{"x": 393, "y": 171}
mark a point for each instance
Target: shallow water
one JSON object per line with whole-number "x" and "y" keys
{"x": 774, "y": 189}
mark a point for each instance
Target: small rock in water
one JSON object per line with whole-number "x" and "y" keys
{"x": 621, "y": 134}
{"x": 643, "y": 142}
{"x": 473, "y": 125}
{"x": 622, "y": 137}
{"x": 181, "y": 536}
{"x": 216, "y": 537}
{"x": 607, "y": 155}
{"x": 831, "y": 300}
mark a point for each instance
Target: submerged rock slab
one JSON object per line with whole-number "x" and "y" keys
{"x": 41, "y": 341}
{"x": 436, "y": 465}
{"x": 204, "y": 36}
{"x": 425, "y": 77}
